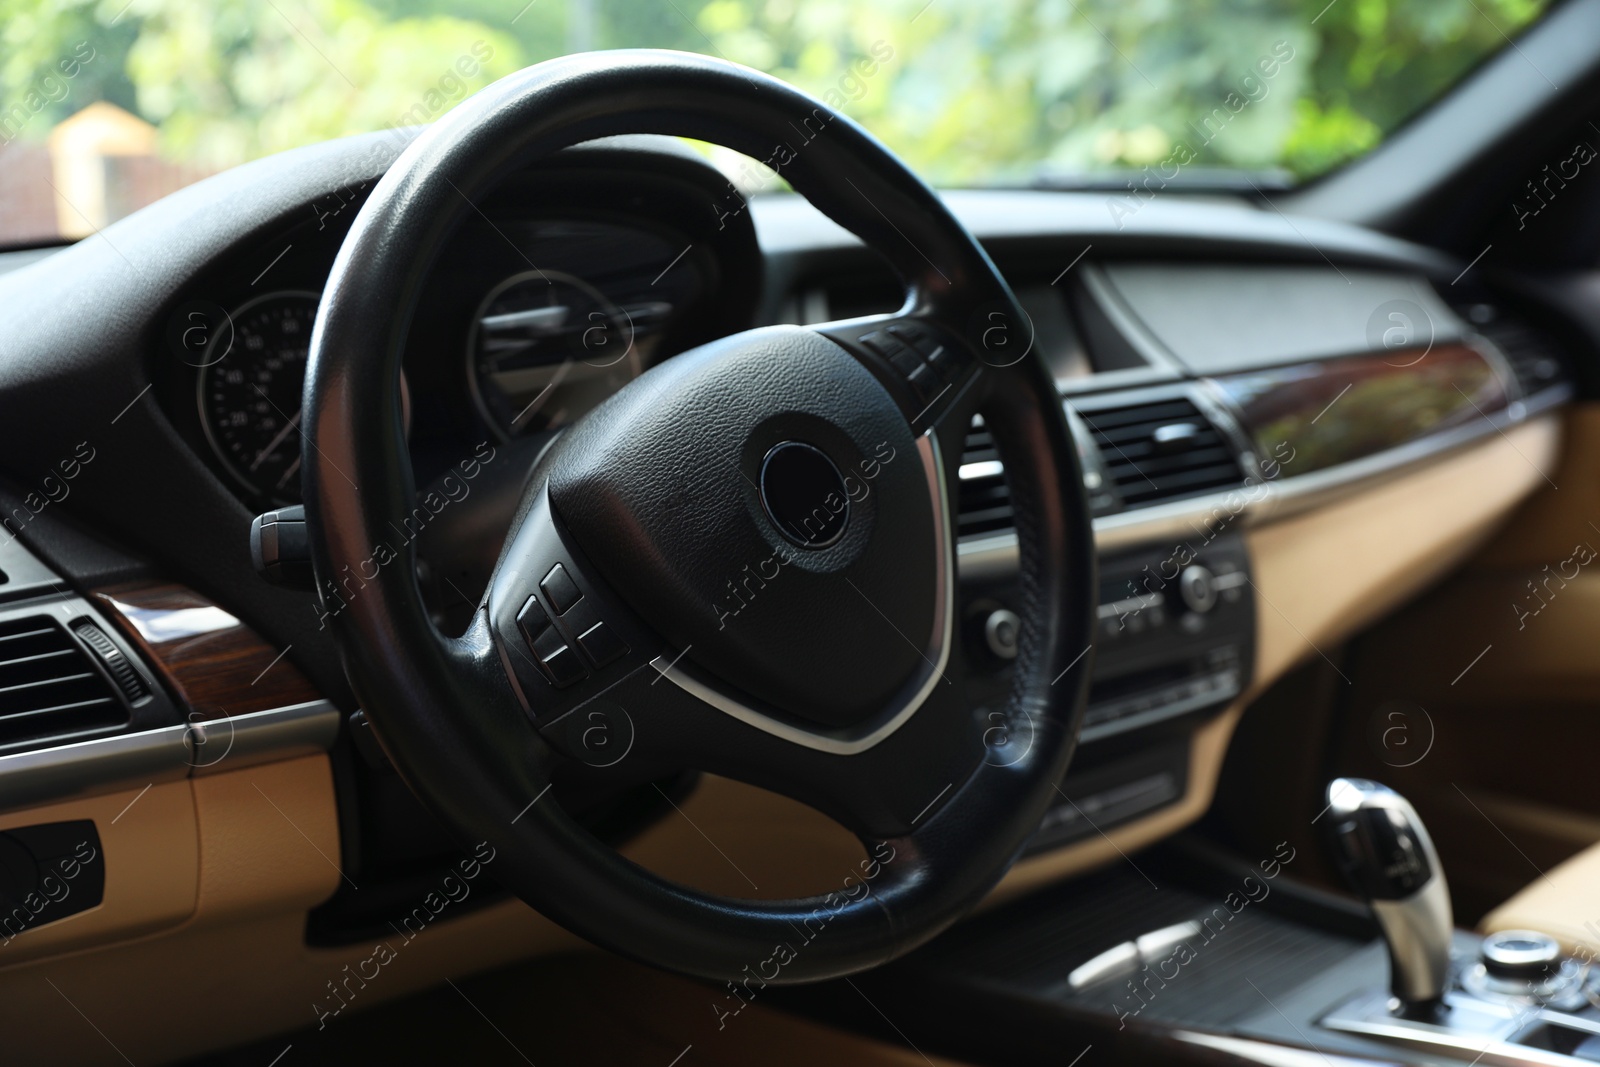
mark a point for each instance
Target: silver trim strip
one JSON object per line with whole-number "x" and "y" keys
{"x": 917, "y": 689}
{"x": 1272, "y": 1054}
{"x": 1129, "y": 605}
{"x": 166, "y": 754}
{"x": 1481, "y": 1030}
{"x": 97, "y": 766}
{"x": 1224, "y": 692}
{"x": 1114, "y": 962}
{"x": 263, "y": 736}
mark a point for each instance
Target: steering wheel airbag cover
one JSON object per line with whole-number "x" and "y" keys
{"x": 673, "y": 516}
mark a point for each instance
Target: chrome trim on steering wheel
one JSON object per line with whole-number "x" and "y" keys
{"x": 935, "y": 658}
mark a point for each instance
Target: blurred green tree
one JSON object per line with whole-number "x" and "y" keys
{"x": 966, "y": 91}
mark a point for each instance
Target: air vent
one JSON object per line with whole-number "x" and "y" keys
{"x": 50, "y": 688}
{"x": 1161, "y": 450}
{"x": 985, "y": 501}
{"x": 1535, "y": 358}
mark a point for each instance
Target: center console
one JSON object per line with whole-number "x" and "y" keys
{"x": 1510, "y": 998}
{"x": 1185, "y": 953}
{"x": 1173, "y": 644}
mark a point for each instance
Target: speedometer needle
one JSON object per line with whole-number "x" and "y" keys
{"x": 273, "y": 444}
{"x": 555, "y": 379}
{"x": 294, "y": 468}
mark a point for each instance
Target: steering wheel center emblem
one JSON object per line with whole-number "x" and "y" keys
{"x": 804, "y": 494}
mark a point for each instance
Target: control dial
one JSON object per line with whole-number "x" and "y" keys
{"x": 1198, "y": 587}
{"x": 1522, "y": 954}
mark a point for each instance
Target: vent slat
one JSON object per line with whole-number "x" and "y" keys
{"x": 1147, "y": 471}
{"x": 50, "y": 689}
{"x": 6, "y": 718}
{"x": 1150, "y": 477}
{"x": 64, "y": 679}
{"x": 984, "y": 505}
{"x": 1196, "y": 460}
{"x": 1160, "y": 411}
{"x": 987, "y": 520}
{"x": 1153, "y": 466}
{"x": 26, "y": 633}
{"x": 1536, "y": 360}
{"x": 19, "y": 660}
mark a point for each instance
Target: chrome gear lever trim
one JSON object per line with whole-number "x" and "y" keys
{"x": 1386, "y": 855}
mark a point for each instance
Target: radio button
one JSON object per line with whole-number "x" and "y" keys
{"x": 1002, "y": 631}
{"x": 1198, "y": 587}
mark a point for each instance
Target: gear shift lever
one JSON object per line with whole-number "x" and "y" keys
{"x": 1387, "y": 857}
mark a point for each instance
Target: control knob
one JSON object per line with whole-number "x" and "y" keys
{"x": 1198, "y": 587}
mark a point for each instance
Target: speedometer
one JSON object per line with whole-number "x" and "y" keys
{"x": 250, "y": 388}
{"x": 546, "y": 346}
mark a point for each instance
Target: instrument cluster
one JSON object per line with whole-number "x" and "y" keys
{"x": 558, "y": 289}
{"x": 587, "y": 312}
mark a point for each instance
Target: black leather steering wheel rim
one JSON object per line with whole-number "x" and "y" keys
{"x": 450, "y": 713}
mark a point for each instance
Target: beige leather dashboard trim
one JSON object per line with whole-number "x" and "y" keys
{"x": 269, "y": 839}
{"x": 1323, "y": 575}
{"x": 1564, "y": 902}
{"x": 1319, "y": 577}
{"x": 753, "y": 843}
{"x": 201, "y": 940}
{"x": 152, "y": 861}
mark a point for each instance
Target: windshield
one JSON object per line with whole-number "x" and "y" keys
{"x": 106, "y": 106}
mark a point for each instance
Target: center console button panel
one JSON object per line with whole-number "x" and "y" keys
{"x": 1174, "y": 637}
{"x": 1175, "y": 633}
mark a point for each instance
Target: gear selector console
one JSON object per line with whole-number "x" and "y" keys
{"x": 1511, "y": 998}
{"x": 1386, "y": 855}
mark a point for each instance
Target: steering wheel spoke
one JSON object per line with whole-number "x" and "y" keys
{"x": 929, "y": 367}
{"x": 562, "y": 636}
{"x": 646, "y": 726}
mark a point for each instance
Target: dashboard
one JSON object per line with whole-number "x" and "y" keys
{"x": 1207, "y": 396}
{"x": 1225, "y": 375}
{"x": 1202, "y": 393}
{"x": 1215, "y": 369}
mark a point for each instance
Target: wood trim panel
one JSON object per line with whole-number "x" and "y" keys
{"x": 211, "y": 660}
{"x": 1386, "y": 399}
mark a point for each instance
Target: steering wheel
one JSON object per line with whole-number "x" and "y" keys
{"x": 743, "y": 562}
